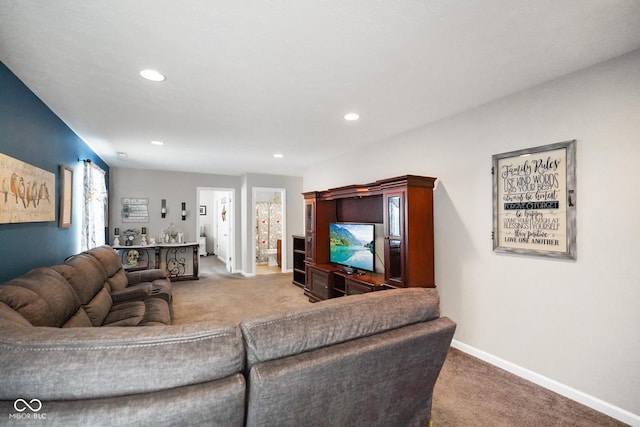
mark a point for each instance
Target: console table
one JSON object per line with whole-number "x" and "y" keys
{"x": 180, "y": 260}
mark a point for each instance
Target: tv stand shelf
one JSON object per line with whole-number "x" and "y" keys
{"x": 402, "y": 205}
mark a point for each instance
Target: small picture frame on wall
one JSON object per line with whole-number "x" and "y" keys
{"x": 203, "y": 210}
{"x": 534, "y": 201}
{"x": 66, "y": 196}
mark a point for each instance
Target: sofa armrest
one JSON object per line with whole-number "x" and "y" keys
{"x": 133, "y": 293}
{"x": 135, "y": 277}
{"x": 47, "y": 362}
{"x": 385, "y": 380}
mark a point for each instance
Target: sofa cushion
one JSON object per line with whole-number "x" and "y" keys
{"x": 78, "y": 320}
{"x": 150, "y": 312}
{"x": 99, "y": 307}
{"x": 118, "y": 280}
{"x": 336, "y": 320}
{"x": 86, "y": 363}
{"x": 112, "y": 265}
{"x": 126, "y": 314}
{"x": 108, "y": 257}
{"x": 210, "y": 403}
{"x": 42, "y": 296}
{"x": 157, "y": 312}
{"x": 10, "y": 315}
{"x": 85, "y": 275}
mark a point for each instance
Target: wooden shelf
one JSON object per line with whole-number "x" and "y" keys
{"x": 299, "y": 267}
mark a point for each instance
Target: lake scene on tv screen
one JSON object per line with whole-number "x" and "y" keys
{"x": 352, "y": 245}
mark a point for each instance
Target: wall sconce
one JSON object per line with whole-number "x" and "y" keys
{"x": 163, "y": 209}
{"x": 184, "y": 211}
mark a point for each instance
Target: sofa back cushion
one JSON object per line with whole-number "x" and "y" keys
{"x": 336, "y": 320}
{"x": 42, "y": 296}
{"x": 88, "y": 279}
{"x": 78, "y": 320}
{"x": 112, "y": 265}
{"x": 65, "y": 364}
{"x": 85, "y": 275}
{"x": 98, "y": 308}
{"x": 9, "y": 315}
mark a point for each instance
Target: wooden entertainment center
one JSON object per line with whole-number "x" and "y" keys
{"x": 404, "y": 208}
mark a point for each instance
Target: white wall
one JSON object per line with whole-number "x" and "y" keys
{"x": 574, "y": 322}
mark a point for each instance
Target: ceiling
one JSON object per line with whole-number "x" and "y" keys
{"x": 247, "y": 79}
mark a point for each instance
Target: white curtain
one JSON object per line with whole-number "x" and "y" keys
{"x": 94, "y": 215}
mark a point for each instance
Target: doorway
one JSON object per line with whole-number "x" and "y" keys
{"x": 269, "y": 246}
{"x": 216, "y": 224}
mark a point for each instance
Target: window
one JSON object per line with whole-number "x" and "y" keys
{"x": 95, "y": 206}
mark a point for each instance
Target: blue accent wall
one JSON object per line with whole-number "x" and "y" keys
{"x": 32, "y": 133}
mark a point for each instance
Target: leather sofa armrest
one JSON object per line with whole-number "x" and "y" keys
{"x": 135, "y": 277}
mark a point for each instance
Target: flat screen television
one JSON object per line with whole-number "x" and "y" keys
{"x": 352, "y": 245}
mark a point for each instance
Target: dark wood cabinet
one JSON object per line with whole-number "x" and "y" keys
{"x": 320, "y": 281}
{"x": 363, "y": 283}
{"x": 404, "y": 208}
{"x": 318, "y": 214}
{"x": 299, "y": 266}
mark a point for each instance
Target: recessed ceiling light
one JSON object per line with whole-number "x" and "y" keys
{"x": 122, "y": 154}
{"x": 152, "y": 75}
{"x": 278, "y": 155}
{"x": 157, "y": 142}
{"x": 351, "y": 116}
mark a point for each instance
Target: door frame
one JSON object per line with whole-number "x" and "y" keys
{"x": 283, "y": 201}
{"x": 230, "y": 261}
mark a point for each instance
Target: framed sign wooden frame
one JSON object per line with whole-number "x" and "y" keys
{"x": 66, "y": 196}
{"x": 534, "y": 201}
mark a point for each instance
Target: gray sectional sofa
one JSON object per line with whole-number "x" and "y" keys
{"x": 89, "y": 289}
{"x": 369, "y": 359}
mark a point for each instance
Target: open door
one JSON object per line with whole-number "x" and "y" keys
{"x": 215, "y": 224}
{"x": 269, "y": 245}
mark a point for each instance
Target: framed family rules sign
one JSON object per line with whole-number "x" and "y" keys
{"x": 534, "y": 201}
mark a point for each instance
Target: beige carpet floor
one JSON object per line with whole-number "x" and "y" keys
{"x": 469, "y": 392}
{"x": 234, "y": 298}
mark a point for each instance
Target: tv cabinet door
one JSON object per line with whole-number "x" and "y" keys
{"x": 394, "y": 245}
{"x": 319, "y": 282}
{"x": 309, "y": 227}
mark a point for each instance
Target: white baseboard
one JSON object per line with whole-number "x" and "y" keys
{"x": 564, "y": 390}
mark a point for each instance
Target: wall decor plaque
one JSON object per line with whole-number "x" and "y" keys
{"x": 534, "y": 201}
{"x": 135, "y": 209}
{"x": 28, "y": 192}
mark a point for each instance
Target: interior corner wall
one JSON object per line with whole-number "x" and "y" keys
{"x": 573, "y": 322}
{"x": 32, "y": 133}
